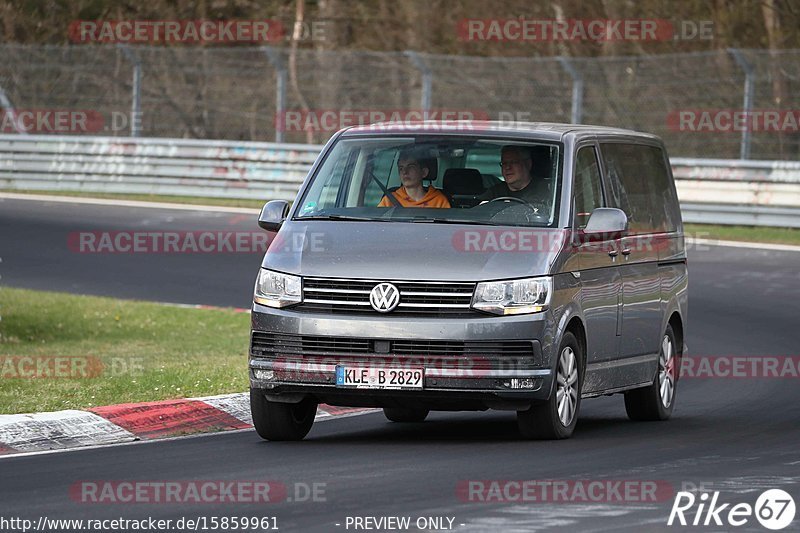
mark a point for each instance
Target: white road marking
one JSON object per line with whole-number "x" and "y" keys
{"x": 59, "y": 429}
{"x": 133, "y": 440}
{"x": 237, "y": 405}
{"x": 743, "y": 244}
{"x": 127, "y": 203}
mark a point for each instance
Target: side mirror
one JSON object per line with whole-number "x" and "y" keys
{"x": 606, "y": 223}
{"x": 273, "y": 214}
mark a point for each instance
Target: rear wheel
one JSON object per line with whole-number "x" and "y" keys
{"x": 405, "y": 414}
{"x": 281, "y": 421}
{"x": 656, "y": 401}
{"x": 556, "y": 418}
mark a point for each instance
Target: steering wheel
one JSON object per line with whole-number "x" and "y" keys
{"x": 510, "y": 198}
{"x": 537, "y": 217}
{"x": 517, "y": 200}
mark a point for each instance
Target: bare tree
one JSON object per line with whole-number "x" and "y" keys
{"x": 297, "y": 32}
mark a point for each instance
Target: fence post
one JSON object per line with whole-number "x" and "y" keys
{"x": 747, "y": 67}
{"x": 427, "y": 78}
{"x": 276, "y": 60}
{"x": 577, "y": 90}
{"x": 136, "y": 96}
{"x": 5, "y": 103}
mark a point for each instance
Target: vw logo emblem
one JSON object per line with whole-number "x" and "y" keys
{"x": 384, "y": 297}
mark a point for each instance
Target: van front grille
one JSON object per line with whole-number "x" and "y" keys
{"x": 417, "y": 298}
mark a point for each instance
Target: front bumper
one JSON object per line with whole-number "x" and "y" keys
{"x": 469, "y": 380}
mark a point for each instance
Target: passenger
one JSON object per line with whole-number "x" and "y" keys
{"x": 413, "y": 170}
{"x": 516, "y": 164}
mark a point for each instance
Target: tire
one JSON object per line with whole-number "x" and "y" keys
{"x": 281, "y": 421}
{"x": 656, "y": 401}
{"x": 544, "y": 420}
{"x": 405, "y": 414}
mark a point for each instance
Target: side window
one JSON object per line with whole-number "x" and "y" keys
{"x": 588, "y": 192}
{"x": 640, "y": 186}
{"x": 663, "y": 199}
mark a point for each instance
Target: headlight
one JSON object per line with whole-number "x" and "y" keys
{"x": 514, "y": 297}
{"x": 274, "y": 289}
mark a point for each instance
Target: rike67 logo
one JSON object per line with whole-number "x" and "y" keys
{"x": 774, "y": 509}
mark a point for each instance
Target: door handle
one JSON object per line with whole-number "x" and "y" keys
{"x": 626, "y": 251}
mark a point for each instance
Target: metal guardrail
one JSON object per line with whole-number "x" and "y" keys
{"x": 736, "y": 192}
{"x": 185, "y": 167}
{"x": 716, "y": 191}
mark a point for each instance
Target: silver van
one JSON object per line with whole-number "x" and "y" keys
{"x": 455, "y": 266}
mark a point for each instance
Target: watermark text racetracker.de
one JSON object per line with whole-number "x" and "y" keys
{"x": 529, "y": 240}
{"x": 138, "y": 31}
{"x": 66, "y": 121}
{"x": 534, "y": 491}
{"x": 194, "y": 242}
{"x": 590, "y": 30}
{"x": 740, "y": 366}
{"x": 202, "y": 31}
{"x": 68, "y": 366}
{"x": 212, "y": 491}
{"x": 331, "y": 120}
{"x": 734, "y": 120}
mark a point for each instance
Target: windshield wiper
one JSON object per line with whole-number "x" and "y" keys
{"x": 453, "y": 221}
{"x": 418, "y": 220}
{"x": 340, "y": 217}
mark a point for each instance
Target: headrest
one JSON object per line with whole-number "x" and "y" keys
{"x": 463, "y": 181}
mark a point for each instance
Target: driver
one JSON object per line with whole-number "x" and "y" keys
{"x": 516, "y": 164}
{"x": 413, "y": 170}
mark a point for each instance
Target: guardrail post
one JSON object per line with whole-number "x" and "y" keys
{"x": 136, "y": 96}
{"x": 5, "y": 103}
{"x": 749, "y": 80}
{"x": 276, "y": 60}
{"x": 577, "y": 90}
{"x": 427, "y": 78}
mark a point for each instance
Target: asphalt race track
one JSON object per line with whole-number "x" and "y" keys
{"x": 37, "y": 253}
{"x": 737, "y": 436}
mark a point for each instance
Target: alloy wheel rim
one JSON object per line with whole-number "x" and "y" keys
{"x": 666, "y": 372}
{"x": 567, "y": 386}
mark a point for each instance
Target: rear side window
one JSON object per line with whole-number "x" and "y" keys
{"x": 639, "y": 184}
{"x": 588, "y": 192}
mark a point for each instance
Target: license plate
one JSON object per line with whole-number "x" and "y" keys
{"x": 378, "y": 378}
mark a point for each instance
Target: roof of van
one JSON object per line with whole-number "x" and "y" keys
{"x": 551, "y": 130}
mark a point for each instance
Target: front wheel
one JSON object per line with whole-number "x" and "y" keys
{"x": 281, "y": 421}
{"x": 656, "y": 401}
{"x": 556, "y": 418}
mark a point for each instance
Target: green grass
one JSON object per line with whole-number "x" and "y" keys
{"x": 149, "y": 351}
{"x": 744, "y": 233}
{"x": 198, "y": 200}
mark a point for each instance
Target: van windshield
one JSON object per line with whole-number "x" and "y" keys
{"x": 437, "y": 180}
